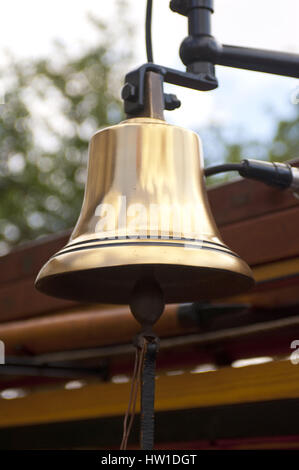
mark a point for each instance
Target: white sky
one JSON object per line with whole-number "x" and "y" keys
{"x": 243, "y": 99}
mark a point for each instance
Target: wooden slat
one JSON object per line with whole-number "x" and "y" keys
{"x": 21, "y": 300}
{"x": 276, "y": 270}
{"x": 27, "y": 260}
{"x": 264, "y": 239}
{"x": 79, "y": 329}
{"x": 278, "y": 296}
{"x": 272, "y": 381}
{"x": 244, "y": 199}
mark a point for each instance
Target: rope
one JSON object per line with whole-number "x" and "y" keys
{"x": 139, "y": 357}
{"x": 144, "y": 375}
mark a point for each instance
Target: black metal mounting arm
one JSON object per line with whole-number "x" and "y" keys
{"x": 133, "y": 90}
{"x": 200, "y": 52}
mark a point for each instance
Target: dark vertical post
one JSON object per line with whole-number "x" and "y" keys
{"x": 147, "y": 423}
{"x": 199, "y": 19}
{"x": 153, "y": 97}
{"x": 192, "y": 50}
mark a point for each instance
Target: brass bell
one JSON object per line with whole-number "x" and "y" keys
{"x": 145, "y": 213}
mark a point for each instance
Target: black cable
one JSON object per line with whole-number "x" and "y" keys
{"x": 148, "y": 31}
{"x": 280, "y": 175}
{"x": 214, "y": 170}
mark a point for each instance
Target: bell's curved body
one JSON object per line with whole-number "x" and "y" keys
{"x": 145, "y": 212}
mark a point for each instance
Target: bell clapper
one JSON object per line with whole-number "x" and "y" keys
{"x": 147, "y": 301}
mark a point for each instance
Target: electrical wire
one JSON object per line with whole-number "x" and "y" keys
{"x": 148, "y": 31}
{"x": 213, "y": 170}
{"x": 279, "y": 175}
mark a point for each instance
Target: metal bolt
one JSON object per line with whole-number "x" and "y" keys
{"x": 171, "y": 102}
{"x": 129, "y": 92}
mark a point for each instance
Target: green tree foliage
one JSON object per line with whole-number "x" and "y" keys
{"x": 283, "y": 147}
{"x": 51, "y": 108}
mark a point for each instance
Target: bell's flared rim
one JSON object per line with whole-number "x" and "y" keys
{"x": 107, "y": 272}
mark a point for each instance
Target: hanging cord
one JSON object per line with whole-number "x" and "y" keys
{"x": 148, "y": 31}
{"x": 139, "y": 358}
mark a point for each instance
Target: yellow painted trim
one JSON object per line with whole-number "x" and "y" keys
{"x": 271, "y": 381}
{"x": 267, "y": 272}
{"x": 276, "y": 270}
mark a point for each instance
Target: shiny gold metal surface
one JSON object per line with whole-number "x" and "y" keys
{"x": 145, "y": 213}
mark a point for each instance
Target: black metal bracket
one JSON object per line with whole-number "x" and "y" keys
{"x": 200, "y": 52}
{"x": 133, "y": 90}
